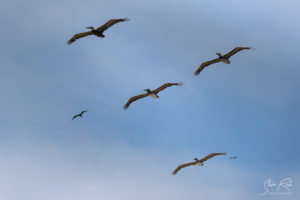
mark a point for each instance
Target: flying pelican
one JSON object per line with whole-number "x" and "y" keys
{"x": 79, "y": 115}
{"x": 224, "y": 59}
{"x": 197, "y": 162}
{"x": 98, "y": 31}
{"x": 151, "y": 93}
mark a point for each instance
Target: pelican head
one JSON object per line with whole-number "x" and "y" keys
{"x": 90, "y": 27}
{"x": 148, "y": 91}
{"x": 220, "y": 55}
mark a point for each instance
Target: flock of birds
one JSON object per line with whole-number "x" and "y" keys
{"x": 153, "y": 93}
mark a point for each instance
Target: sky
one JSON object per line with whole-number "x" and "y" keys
{"x": 248, "y": 109}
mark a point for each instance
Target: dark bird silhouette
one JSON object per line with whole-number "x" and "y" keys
{"x": 233, "y": 157}
{"x": 197, "y": 162}
{"x": 98, "y": 31}
{"x": 79, "y": 115}
{"x": 221, "y": 58}
{"x": 151, "y": 93}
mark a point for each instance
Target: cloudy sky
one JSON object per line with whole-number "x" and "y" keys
{"x": 248, "y": 109}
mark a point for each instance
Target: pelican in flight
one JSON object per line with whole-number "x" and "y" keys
{"x": 98, "y": 31}
{"x": 221, "y": 58}
{"x": 197, "y": 162}
{"x": 79, "y": 115}
{"x": 151, "y": 93}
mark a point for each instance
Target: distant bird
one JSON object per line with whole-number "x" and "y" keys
{"x": 224, "y": 59}
{"x": 233, "y": 157}
{"x": 151, "y": 93}
{"x": 197, "y": 162}
{"x": 98, "y": 31}
{"x": 79, "y": 115}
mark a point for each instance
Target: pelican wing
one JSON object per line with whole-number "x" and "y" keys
{"x": 183, "y": 166}
{"x": 205, "y": 64}
{"x": 234, "y": 51}
{"x": 211, "y": 155}
{"x": 132, "y": 99}
{"x": 164, "y": 86}
{"x": 110, "y": 23}
{"x": 78, "y": 36}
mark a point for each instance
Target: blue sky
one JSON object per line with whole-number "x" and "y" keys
{"x": 248, "y": 108}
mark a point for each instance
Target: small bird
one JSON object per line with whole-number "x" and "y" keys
{"x": 151, "y": 93}
{"x": 79, "y": 115}
{"x": 233, "y": 157}
{"x": 98, "y": 31}
{"x": 221, "y": 58}
{"x": 197, "y": 162}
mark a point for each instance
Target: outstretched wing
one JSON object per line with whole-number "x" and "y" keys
{"x": 234, "y": 51}
{"x": 78, "y": 36}
{"x": 211, "y": 155}
{"x": 110, "y": 23}
{"x": 164, "y": 86}
{"x": 83, "y": 111}
{"x": 205, "y": 64}
{"x": 183, "y": 166}
{"x": 75, "y": 116}
{"x": 132, "y": 99}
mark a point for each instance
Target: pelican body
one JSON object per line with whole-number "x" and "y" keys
{"x": 98, "y": 31}
{"x": 151, "y": 93}
{"x": 197, "y": 162}
{"x": 221, "y": 58}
